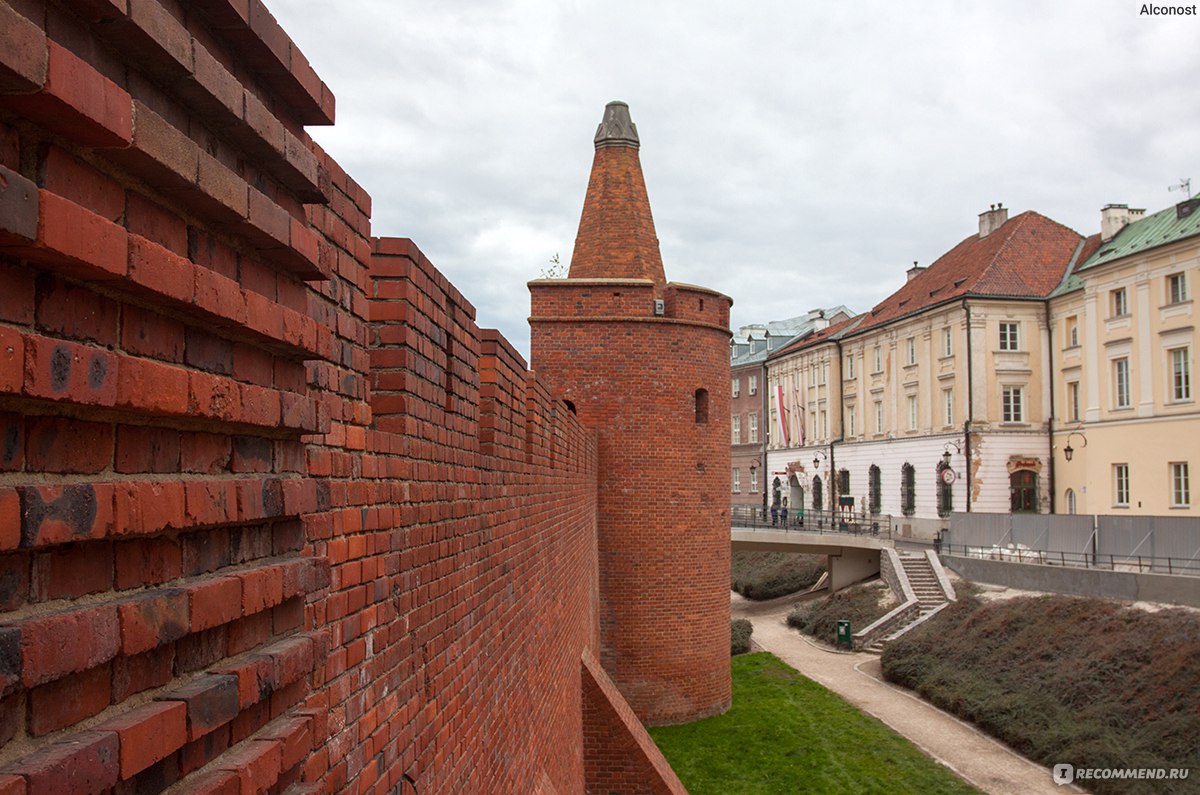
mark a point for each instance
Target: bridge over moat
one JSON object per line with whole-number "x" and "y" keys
{"x": 852, "y": 556}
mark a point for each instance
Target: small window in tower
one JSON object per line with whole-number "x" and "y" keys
{"x": 701, "y": 405}
{"x": 701, "y": 304}
{"x": 570, "y": 406}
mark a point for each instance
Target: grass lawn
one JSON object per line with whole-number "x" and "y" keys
{"x": 786, "y": 734}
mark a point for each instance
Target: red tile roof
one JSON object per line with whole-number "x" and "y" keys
{"x": 1026, "y": 257}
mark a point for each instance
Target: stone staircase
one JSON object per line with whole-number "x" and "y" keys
{"x": 926, "y": 586}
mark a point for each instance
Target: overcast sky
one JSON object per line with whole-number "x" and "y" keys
{"x": 796, "y": 154}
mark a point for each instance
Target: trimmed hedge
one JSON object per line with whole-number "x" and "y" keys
{"x": 740, "y": 630}
{"x": 767, "y": 575}
{"x": 863, "y": 604}
{"x": 1088, "y": 682}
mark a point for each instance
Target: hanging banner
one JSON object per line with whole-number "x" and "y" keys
{"x": 782, "y": 414}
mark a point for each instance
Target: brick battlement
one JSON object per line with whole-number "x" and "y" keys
{"x": 275, "y": 514}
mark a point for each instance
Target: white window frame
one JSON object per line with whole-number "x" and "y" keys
{"x": 754, "y": 385}
{"x": 1121, "y": 485}
{"x": 1122, "y": 388}
{"x": 736, "y": 481}
{"x": 877, "y": 359}
{"x": 948, "y": 406}
{"x": 1180, "y": 372}
{"x": 850, "y": 366}
{"x": 850, "y": 420}
{"x": 947, "y": 341}
{"x": 753, "y": 429}
{"x": 753, "y": 480}
{"x": 1073, "y": 413}
{"x": 1073, "y": 331}
{"x": 736, "y": 384}
{"x": 735, "y": 428}
{"x": 912, "y": 350}
{"x": 1010, "y": 336}
{"x": 912, "y": 412}
{"x": 1012, "y": 404}
{"x": 1177, "y": 288}
{"x": 1118, "y": 302}
{"x": 1181, "y": 485}
{"x": 879, "y": 416}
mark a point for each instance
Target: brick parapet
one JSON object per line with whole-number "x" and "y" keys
{"x": 268, "y": 573}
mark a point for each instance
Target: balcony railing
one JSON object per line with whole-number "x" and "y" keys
{"x": 746, "y": 517}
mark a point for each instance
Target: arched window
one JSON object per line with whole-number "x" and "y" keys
{"x": 1071, "y": 501}
{"x": 701, "y": 406}
{"x": 908, "y": 490}
{"x": 875, "y": 489}
{"x": 945, "y": 494}
{"x": 818, "y": 495}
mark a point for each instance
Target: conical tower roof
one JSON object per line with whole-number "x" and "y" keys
{"x": 616, "y": 238}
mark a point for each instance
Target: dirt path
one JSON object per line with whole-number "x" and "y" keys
{"x": 857, "y": 677}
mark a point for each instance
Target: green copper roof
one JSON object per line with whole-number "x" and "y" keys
{"x": 1166, "y": 226}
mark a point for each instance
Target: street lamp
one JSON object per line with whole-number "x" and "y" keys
{"x": 946, "y": 453}
{"x": 1069, "y": 451}
{"x": 818, "y": 458}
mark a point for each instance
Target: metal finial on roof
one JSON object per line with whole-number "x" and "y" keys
{"x": 617, "y": 129}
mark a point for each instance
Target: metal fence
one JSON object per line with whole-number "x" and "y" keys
{"x": 1164, "y": 544}
{"x": 754, "y": 518}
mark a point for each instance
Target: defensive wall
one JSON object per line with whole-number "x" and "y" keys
{"x": 275, "y": 514}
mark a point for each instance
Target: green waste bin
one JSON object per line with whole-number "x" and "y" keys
{"x": 843, "y": 633}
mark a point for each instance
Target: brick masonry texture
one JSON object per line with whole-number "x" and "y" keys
{"x": 275, "y": 514}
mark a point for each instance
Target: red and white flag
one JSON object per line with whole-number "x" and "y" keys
{"x": 782, "y": 414}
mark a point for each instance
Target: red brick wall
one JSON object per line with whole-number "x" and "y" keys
{"x": 275, "y": 515}
{"x": 663, "y": 480}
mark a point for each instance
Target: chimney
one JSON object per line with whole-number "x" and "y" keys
{"x": 915, "y": 271}
{"x": 993, "y": 219}
{"x": 1114, "y": 218}
{"x": 820, "y": 322}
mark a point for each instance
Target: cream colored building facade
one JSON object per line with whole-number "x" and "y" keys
{"x": 950, "y": 368}
{"x": 1125, "y": 341}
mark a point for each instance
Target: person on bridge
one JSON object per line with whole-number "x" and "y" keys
{"x": 784, "y": 512}
{"x": 774, "y": 515}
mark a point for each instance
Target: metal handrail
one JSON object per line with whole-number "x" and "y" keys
{"x": 1080, "y": 560}
{"x": 808, "y": 521}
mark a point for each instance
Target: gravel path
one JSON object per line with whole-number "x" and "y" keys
{"x": 857, "y": 677}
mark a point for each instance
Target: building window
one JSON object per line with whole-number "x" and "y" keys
{"x": 735, "y": 427}
{"x": 947, "y": 342}
{"x": 1121, "y": 397}
{"x": 911, "y": 347}
{"x": 1071, "y": 501}
{"x": 878, "y": 416}
{"x": 1010, "y": 336}
{"x": 1121, "y": 485}
{"x": 948, "y": 406}
{"x": 818, "y": 500}
{"x": 1181, "y": 374}
{"x": 874, "y": 489}
{"x": 737, "y": 387}
{"x": 1176, "y": 288}
{"x": 1181, "y": 489}
{"x": 877, "y": 360}
{"x": 824, "y": 372}
{"x": 753, "y": 480}
{"x": 908, "y": 490}
{"x": 851, "y": 430}
{"x": 850, "y": 366}
{"x": 1073, "y": 401}
{"x": 1072, "y": 331}
{"x": 824, "y": 424}
{"x": 912, "y": 412}
{"x": 753, "y": 427}
{"x": 843, "y": 481}
{"x": 1023, "y": 491}
{"x": 812, "y": 375}
{"x": 701, "y": 406}
{"x": 737, "y": 481}
{"x": 1119, "y": 302}
{"x": 1011, "y": 408}
{"x": 945, "y": 493}
{"x": 753, "y": 385}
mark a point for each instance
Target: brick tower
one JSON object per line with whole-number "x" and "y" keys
{"x": 645, "y": 362}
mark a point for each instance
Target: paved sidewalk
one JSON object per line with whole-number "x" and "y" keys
{"x": 976, "y": 757}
